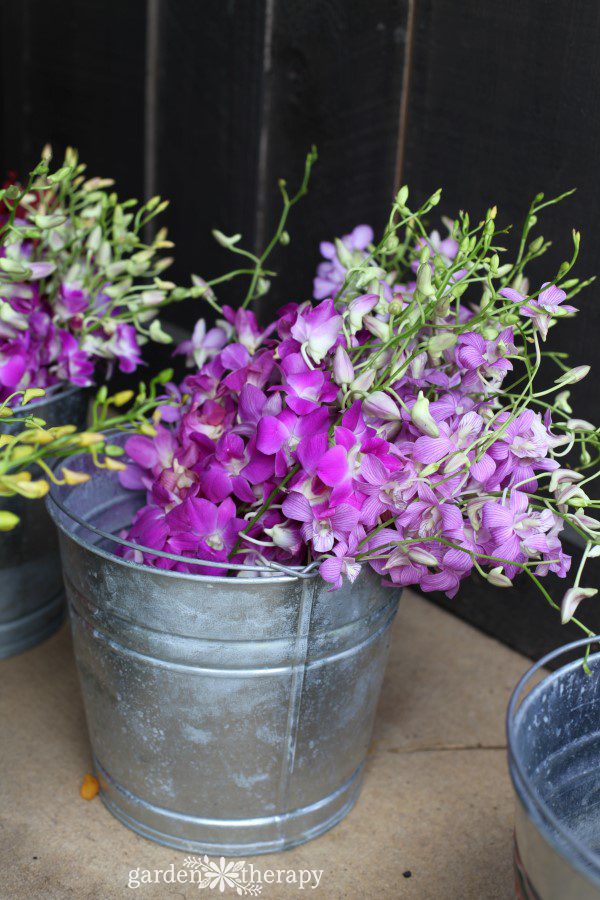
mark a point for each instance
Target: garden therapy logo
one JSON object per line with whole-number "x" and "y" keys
{"x": 238, "y": 876}
{"x": 225, "y": 874}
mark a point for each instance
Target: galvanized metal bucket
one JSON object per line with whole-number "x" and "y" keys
{"x": 554, "y": 761}
{"x": 227, "y": 715}
{"x": 32, "y": 602}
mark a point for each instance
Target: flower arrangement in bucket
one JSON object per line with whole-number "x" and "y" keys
{"x": 394, "y": 422}
{"x": 388, "y": 433}
{"x": 79, "y": 294}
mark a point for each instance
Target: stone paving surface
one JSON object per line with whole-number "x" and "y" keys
{"x": 437, "y": 800}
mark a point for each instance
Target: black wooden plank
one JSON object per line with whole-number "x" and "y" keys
{"x": 208, "y": 115}
{"x": 335, "y": 80}
{"x": 504, "y": 104}
{"x": 74, "y": 73}
{"x": 244, "y": 90}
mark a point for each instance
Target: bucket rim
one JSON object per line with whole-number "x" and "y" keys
{"x": 520, "y": 779}
{"x": 278, "y": 573}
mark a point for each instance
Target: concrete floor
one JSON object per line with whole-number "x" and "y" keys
{"x": 437, "y": 800}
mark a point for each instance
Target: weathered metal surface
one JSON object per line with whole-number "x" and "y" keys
{"x": 32, "y": 603}
{"x": 226, "y": 715}
{"x": 554, "y": 754}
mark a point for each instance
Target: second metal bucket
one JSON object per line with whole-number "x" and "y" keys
{"x": 227, "y": 715}
{"x": 554, "y": 761}
{"x": 32, "y": 600}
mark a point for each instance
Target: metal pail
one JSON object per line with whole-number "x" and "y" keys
{"x": 554, "y": 761}
{"x": 226, "y": 715}
{"x": 32, "y": 603}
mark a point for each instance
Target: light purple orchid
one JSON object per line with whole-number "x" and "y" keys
{"x": 543, "y": 308}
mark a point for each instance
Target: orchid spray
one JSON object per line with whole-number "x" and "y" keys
{"x": 393, "y": 421}
{"x": 79, "y": 286}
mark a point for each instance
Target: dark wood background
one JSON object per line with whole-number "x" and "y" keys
{"x": 210, "y": 103}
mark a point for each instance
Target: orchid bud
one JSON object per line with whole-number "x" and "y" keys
{"x": 158, "y": 335}
{"x": 440, "y": 342}
{"x": 561, "y": 401}
{"x": 32, "y": 394}
{"x": 71, "y": 477}
{"x": 283, "y": 536}
{"x": 359, "y": 307}
{"x": 560, "y": 476}
{"x": 8, "y": 520}
{"x": 113, "y": 464}
{"x": 509, "y": 319}
{"x": 379, "y": 405}
{"x": 584, "y": 456}
{"x": 343, "y": 370}
{"x": 580, "y": 425}
{"x": 363, "y": 382}
{"x": 497, "y": 577}
{"x": 32, "y": 490}
{"x": 422, "y": 418}
{"x": 377, "y": 327}
{"x": 431, "y": 469}
{"x": 395, "y": 307}
{"x": 422, "y": 557}
{"x": 571, "y": 601}
{"x": 402, "y": 196}
{"x": 587, "y": 522}
{"x": 425, "y": 254}
{"x": 88, "y": 439}
{"x": 121, "y": 398}
{"x": 147, "y": 429}
{"x": 424, "y": 285}
{"x": 343, "y": 253}
{"x": 573, "y": 375}
{"x": 224, "y": 240}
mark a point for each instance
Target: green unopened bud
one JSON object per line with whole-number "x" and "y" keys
{"x": 497, "y": 577}
{"x": 422, "y": 418}
{"x": 52, "y": 221}
{"x": 224, "y": 240}
{"x": 424, "y": 285}
{"x": 157, "y": 334}
{"x": 60, "y": 174}
{"x": 537, "y": 244}
{"x": 284, "y": 239}
{"x": 95, "y": 238}
{"x": 584, "y": 456}
{"x": 573, "y": 375}
{"x": 402, "y": 196}
{"x": 441, "y": 342}
{"x": 121, "y": 398}
{"x": 425, "y": 254}
{"x": 392, "y": 243}
{"x": 509, "y": 319}
{"x": 32, "y": 394}
{"x": 8, "y": 520}
{"x": 395, "y": 307}
{"x": 343, "y": 254}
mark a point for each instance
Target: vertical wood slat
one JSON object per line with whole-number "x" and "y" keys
{"x": 73, "y": 73}
{"x": 256, "y": 85}
{"x": 503, "y": 104}
{"x": 336, "y": 81}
